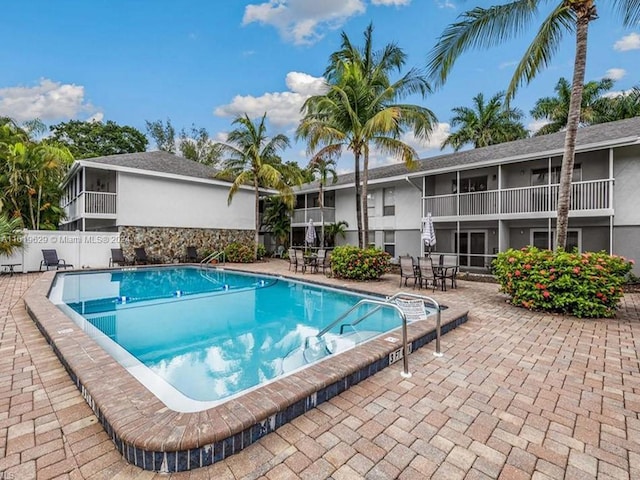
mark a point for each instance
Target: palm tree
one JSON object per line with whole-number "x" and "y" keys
{"x": 277, "y": 218}
{"x": 625, "y": 105}
{"x": 334, "y": 230}
{"x": 556, "y": 109}
{"x": 485, "y": 124}
{"x": 10, "y": 234}
{"x": 30, "y": 176}
{"x": 323, "y": 168}
{"x": 486, "y": 27}
{"x": 359, "y": 110}
{"x": 253, "y": 160}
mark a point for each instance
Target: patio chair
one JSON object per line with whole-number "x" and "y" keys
{"x": 407, "y": 271}
{"x": 50, "y": 259}
{"x": 425, "y": 266}
{"x": 292, "y": 260}
{"x": 450, "y": 270}
{"x": 191, "y": 255}
{"x": 117, "y": 258}
{"x": 279, "y": 251}
{"x": 141, "y": 258}
{"x": 324, "y": 262}
{"x": 300, "y": 260}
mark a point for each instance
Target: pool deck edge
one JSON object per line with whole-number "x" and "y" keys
{"x": 153, "y": 437}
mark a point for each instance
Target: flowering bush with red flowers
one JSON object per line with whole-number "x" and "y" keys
{"x": 355, "y": 263}
{"x": 582, "y": 284}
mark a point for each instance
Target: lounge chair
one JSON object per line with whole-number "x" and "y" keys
{"x": 117, "y": 258}
{"x": 50, "y": 259}
{"x": 140, "y": 257}
{"x": 279, "y": 252}
{"x": 407, "y": 271}
{"x": 191, "y": 255}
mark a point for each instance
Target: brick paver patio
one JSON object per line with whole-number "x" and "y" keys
{"x": 517, "y": 395}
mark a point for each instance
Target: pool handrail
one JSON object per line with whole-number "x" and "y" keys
{"x": 424, "y": 298}
{"x": 380, "y": 303}
{"x": 214, "y": 256}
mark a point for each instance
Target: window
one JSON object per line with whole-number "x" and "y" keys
{"x": 473, "y": 184}
{"x": 371, "y": 204}
{"x": 540, "y": 176}
{"x": 390, "y": 242}
{"x": 389, "y": 200}
{"x": 540, "y": 239}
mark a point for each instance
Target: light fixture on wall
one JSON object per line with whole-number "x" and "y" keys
{"x": 493, "y": 232}
{"x": 522, "y": 172}
{"x": 521, "y": 232}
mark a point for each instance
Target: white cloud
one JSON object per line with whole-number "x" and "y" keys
{"x": 438, "y": 135}
{"x": 390, "y": 3}
{"x": 536, "y": 125}
{"x": 303, "y": 21}
{"x": 628, "y": 42}
{"x": 617, "y": 93}
{"x": 48, "y": 100}
{"x": 283, "y": 108}
{"x": 510, "y": 63}
{"x": 445, "y": 4}
{"x": 615, "y": 73}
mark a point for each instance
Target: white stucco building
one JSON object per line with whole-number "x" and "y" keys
{"x": 486, "y": 200}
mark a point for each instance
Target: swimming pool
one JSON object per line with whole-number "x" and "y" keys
{"x": 197, "y": 337}
{"x": 154, "y": 437}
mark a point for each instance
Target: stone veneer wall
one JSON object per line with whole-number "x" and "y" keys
{"x": 169, "y": 244}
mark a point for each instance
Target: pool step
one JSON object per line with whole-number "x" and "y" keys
{"x": 330, "y": 345}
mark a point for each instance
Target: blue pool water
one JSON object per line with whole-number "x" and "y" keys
{"x": 194, "y": 335}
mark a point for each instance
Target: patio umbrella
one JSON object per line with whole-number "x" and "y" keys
{"x": 428, "y": 233}
{"x": 310, "y": 235}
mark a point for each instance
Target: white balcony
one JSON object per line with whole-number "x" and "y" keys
{"x": 590, "y": 196}
{"x": 302, "y": 215}
{"x": 92, "y": 205}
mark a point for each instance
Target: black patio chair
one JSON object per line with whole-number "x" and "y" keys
{"x": 118, "y": 258}
{"x": 50, "y": 259}
{"x": 141, "y": 257}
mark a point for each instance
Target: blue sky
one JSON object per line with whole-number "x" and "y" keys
{"x": 204, "y": 62}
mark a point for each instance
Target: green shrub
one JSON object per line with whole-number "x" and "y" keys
{"x": 262, "y": 251}
{"x": 239, "y": 253}
{"x": 352, "y": 262}
{"x": 584, "y": 285}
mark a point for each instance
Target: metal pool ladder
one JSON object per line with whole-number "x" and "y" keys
{"x": 388, "y": 302}
{"x": 214, "y": 256}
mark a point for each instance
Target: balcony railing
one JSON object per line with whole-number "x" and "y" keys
{"x": 590, "y": 195}
{"x": 302, "y": 215}
{"x": 91, "y": 203}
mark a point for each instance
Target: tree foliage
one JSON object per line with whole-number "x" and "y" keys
{"x": 30, "y": 175}
{"x": 163, "y": 135}
{"x": 97, "y": 139}
{"x": 195, "y": 144}
{"x": 555, "y": 109}
{"x": 485, "y": 123}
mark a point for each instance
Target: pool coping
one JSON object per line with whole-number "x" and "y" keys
{"x": 153, "y": 437}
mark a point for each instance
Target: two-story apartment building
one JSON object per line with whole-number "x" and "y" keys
{"x": 157, "y": 200}
{"x": 486, "y": 200}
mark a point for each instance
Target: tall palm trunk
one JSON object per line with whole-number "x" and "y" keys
{"x": 356, "y": 154}
{"x": 321, "y": 203}
{"x": 365, "y": 198}
{"x": 585, "y": 13}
